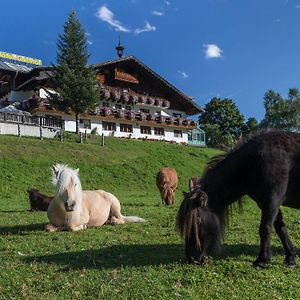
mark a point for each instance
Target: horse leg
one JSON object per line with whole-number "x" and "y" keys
{"x": 51, "y": 228}
{"x": 77, "y": 228}
{"x": 268, "y": 217}
{"x": 114, "y": 220}
{"x": 282, "y": 232}
{"x": 115, "y": 213}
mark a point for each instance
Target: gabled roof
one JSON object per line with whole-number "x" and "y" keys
{"x": 9, "y": 66}
{"x": 191, "y": 107}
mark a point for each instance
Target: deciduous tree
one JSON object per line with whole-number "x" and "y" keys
{"x": 223, "y": 120}
{"x": 282, "y": 113}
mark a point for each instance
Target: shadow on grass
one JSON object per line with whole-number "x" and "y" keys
{"x": 140, "y": 204}
{"x": 19, "y": 229}
{"x": 14, "y": 211}
{"x": 135, "y": 256}
{"x": 114, "y": 257}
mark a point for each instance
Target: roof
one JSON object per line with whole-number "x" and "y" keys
{"x": 194, "y": 107}
{"x": 9, "y": 66}
{"x": 13, "y": 110}
{"x": 41, "y": 75}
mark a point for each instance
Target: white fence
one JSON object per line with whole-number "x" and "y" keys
{"x": 35, "y": 126}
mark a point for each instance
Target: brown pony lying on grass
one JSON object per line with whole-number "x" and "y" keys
{"x": 38, "y": 201}
{"x": 167, "y": 181}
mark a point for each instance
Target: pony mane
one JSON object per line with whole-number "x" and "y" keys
{"x": 62, "y": 175}
{"x": 193, "y": 212}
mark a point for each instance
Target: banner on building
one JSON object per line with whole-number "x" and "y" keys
{"x": 20, "y": 58}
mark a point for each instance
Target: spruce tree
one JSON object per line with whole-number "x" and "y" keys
{"x": 74, "y": 81}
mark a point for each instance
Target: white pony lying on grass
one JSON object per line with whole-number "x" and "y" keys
{"x": 74, "y": 209}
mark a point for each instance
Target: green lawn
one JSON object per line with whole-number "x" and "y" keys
{"x": 130, "y": 261}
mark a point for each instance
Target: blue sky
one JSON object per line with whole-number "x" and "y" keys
{"x": 225, "y": 48}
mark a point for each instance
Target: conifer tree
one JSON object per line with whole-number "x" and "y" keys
{"x": 74, "y": 81}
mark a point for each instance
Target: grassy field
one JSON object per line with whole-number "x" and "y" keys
{"x": 130, "y": 261}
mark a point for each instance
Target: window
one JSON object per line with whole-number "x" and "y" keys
{"x": 175, "y": 115}
{"x": 145, "y": 129}
{"x": 159, "y": 131}
{"x": 108, "y": 126}
{"x": 178, "y": 133}
{"x": 85, "y": 123}
{"x": 125, "y": 128}
{"x": 144, "y": 110}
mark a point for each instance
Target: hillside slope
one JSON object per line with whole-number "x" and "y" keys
{"x": 124, "y": 167}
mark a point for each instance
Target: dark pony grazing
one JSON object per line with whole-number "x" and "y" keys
{"x": 266, "y": 168}
{"x": 38, "y": 201}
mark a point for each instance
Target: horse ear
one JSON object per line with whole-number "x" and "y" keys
{"x": 55, "y": 170}
{"x": 199, "y": 197}
{"x": 191, "y": 184}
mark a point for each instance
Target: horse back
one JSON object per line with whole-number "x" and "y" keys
{"x": 271, "y": 165}
{"x": 167, "y": 177}
{"x": 97, "y": 205}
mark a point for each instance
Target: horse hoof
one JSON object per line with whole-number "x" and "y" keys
{"x": 199, "y": 262}
{"x": 290, "y": 263}
{"x": 260, "y": 264}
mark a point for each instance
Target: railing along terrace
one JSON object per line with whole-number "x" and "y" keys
{"x": 140, "y": 116}
{"x": 130, "y": 97}
{"x": 30, "y": 120}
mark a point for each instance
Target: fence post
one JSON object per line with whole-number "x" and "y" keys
{"x": 85, "y": 135}
{"x": 41, "y": 132}
{"x": 19, "y": 130}
{"x": 81, "y": 138}
{"x": 102, "y": 140}
{"x": 61, "y": 135}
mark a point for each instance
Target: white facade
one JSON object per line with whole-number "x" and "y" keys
{"x": 92, "y": 123}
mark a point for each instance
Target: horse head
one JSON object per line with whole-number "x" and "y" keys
{"x": 199, "y": 226}
{"x": 168, "y": 195}
{"x": 68, "y": 186}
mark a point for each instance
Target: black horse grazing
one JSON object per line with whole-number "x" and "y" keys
{"x": 266, "y": 168}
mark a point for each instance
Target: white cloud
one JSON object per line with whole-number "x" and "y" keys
{"x": 167, "y": 2}
{"x": 157, "y": 13}
{"x": 212, "y": 51}
{"x": 107, "y": 16}
{"x": 146, "y": 28}
{"x": 183, "y": 74}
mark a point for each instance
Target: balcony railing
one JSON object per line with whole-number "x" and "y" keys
{"x": 30, "y": 120}
{"x": 130, "y": 97}
{"x": 140, "y": 116}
